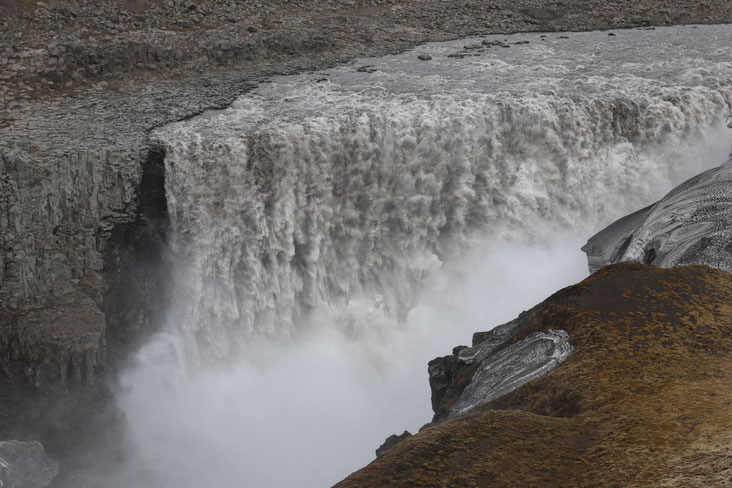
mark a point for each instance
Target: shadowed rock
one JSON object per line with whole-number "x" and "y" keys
{"x": 390, "y": 442}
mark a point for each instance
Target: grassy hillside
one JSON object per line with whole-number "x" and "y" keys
{"x": 645, "y": 400}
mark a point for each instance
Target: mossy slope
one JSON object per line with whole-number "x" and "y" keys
{"x": 645, "y": 400}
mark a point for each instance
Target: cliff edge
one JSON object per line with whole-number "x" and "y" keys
{"x": 643, "y": 400}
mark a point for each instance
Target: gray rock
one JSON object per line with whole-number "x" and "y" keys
{"x": 691, "y": 224}
{"x": 488, "y": 343}
{"x": 390, "y": 442}
{"x": 494, "y": 43}
{"x": 25, "y": 465}
{"x": 512, "y": 367}
{"x": 424, "y": 57}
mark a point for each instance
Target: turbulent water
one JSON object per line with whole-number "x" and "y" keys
{"x": 335, "y": 230}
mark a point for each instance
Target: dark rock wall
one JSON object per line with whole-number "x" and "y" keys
{"x": 136, "y": 267}
{"x": 71, "y": 315}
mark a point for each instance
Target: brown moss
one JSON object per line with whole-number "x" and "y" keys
{"x": 645, "y": 400}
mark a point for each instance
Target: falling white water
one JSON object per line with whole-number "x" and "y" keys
{"x": 334, "y": 231}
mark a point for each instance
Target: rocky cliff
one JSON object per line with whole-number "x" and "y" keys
{"x": 691, "y": 224}
{"x": 643, "y": 400}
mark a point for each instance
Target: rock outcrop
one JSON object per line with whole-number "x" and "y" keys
{"x": 503, "y": 372}
{"x": 391, "y": 441}
{"x": 473, "y": 376}
{"x": 691, "y": 224}
{"x": 642, "y": 401}
{"x": 71, "y": 225}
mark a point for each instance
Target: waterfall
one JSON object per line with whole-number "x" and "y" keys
{"x": 315, "y": 191}
{"x": 335, "y": 230}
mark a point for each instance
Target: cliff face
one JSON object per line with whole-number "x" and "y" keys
{"x": 56, "y": 217}
{"x": 63, "y": 221}
{"x": 643, "y": 400}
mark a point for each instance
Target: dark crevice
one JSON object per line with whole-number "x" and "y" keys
{"x": 137, "y": 267}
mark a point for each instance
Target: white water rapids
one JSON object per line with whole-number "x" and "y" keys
{"x": 333, "y": 231}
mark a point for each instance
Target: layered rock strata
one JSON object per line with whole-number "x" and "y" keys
{"x": 691, "y": 224}
{"x": 507, "y": 370}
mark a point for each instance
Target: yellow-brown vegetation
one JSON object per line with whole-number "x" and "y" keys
{"x": 645, "y": 400}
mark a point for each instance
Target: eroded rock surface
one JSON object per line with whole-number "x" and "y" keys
{"x": 691, "y": 224}
{"x": 25, "y": 465}
{"x": 81, "y": 85}
{"x": 449, "y": 375}
{"x": 510, "y": 368}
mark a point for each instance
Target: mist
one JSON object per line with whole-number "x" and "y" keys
{"x": 309, "y": 411}
{"x": 305, "y": 403}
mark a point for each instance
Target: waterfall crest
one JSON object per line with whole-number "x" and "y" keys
{"x": 318, "y": 194}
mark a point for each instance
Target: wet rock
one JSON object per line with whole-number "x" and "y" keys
{"x": 692, "y": 224}
{"x": 512, "y": 367}
{"x": 484, "y": 343}
{"x": 25, "y": 465}
{"x": 450, "y": 375}
{"x": 443, "y": 372}
{"x": 58, "y": 345}
{"x": 495, "y": 43}
{"x": 424, "y": 57}
{"x": 390, "y": 442}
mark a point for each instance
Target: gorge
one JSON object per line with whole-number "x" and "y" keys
{"x": 258, "y": 300}
{"x": 311, "y": 219}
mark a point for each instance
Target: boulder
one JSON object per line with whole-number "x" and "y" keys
{"x": 691, "y": 224}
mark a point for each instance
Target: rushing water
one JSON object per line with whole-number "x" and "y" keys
{"x": 333, "y": 231}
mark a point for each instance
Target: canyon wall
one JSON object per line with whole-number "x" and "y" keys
{"x": 82, "y": 208}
